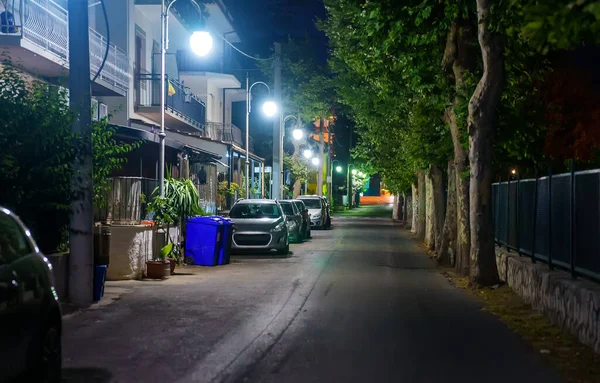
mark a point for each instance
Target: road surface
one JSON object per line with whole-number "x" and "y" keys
{"x": 358, "y": 303}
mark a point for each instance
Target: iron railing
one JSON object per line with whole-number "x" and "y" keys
{"x": 218, "y": 131}
{"x": 553, "y": 219}
{"x": 178, "y": 99}
{"x": 45, "y": 23}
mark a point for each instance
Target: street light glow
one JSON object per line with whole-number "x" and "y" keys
{"x": 354, "y": 172}
{"x": 361, "y": 174}
{"x": 315, "y": 161}
{"x": 338, "y": 169}
{"x": 298, "y": 134}
{"x": 201, "y": 43}
{"x": 307, "y": 153}
{"x": 513, "y": 172}
{"x": 269, "y": 108}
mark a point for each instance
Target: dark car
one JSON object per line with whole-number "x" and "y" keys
{"x": 259, "y": 224}
{"x": 294, "y": 220}
{"x": 30, "y": 315}
{"x": 305, "y": 218}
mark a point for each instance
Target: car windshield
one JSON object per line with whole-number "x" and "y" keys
{"x": 312, "y": 203}
{"x": 255, "y": 210}
{"x": 287, "y": 208}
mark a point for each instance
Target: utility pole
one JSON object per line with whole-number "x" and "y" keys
{"x": 321, "y": 156}
{"x": 81, "y": 258}
{"x": 277, "y": 169}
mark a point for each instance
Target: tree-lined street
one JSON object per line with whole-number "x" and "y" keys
{"x": 361, "y": 302}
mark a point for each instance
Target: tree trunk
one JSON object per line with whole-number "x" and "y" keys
{"x": 421, "y": 205}
{"x": 438, "y": 204}
{"x": 446, "y": 252}
{"x": 401, "y": 203}
{"x": 429, "y": 213}
{"x": 408, "y": 212}
{"x": 297, "y": 186}
{"x": 415, "y": 209}
{"x": 458, "y": 58}
{"x": 395, "y": 208}
{"x": 483, "y": 113}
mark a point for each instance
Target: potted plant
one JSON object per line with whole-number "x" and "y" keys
{"x": 162, "y": 213}
{"x": 180, "y": 201}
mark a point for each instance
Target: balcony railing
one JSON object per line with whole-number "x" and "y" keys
{"x": 178, "y": 99}
{"x": 45, "y": 23}
{"x": 218, "y": 131}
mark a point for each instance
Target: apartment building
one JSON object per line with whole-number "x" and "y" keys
{"x": 199, "y": 91}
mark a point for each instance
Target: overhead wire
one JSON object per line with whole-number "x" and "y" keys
{"x": 107, "y": 41}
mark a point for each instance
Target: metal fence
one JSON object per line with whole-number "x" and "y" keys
{"x": 124, "y": 202}
{"x": 553, "y": 219}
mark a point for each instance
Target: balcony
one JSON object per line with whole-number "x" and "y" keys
{"x": 228, "y": 133}
{"x": 38, "y": 42}
{"x": 184, "y": 111}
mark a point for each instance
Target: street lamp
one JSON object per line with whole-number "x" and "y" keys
{"x": 338, "y": 169}
{"x": 298, "y": 134}
{"x": 307, "y": 153}
{"x": 354, "y": 171}
{"x": 269, "y": 109}
{"x": 201, "y": 44}
{"x": 315, "y": 161}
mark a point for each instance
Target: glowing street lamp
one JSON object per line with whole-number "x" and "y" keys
{"x": 269, "y": 108}
{"x": 201, "y": 43}
{"x": 307, "y": 153}
{"x": 298, "y": 134}
{"x": 338, "y": 169}
{"x": 315, "y": 161}
{"x": 354, "y": 171}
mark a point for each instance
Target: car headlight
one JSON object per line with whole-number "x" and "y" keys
{"x": 280, "y": 226}
{"x": 292, "y": 224}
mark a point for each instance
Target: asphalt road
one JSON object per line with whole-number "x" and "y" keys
{"x": 358, "y": 303}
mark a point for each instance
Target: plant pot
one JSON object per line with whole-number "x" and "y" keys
{"x": 158, "y": 269}
{"x": 172, "y": 264}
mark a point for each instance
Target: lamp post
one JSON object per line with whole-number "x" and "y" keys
{"x": 201, "y": 44}
{"x": 269, "y": 108}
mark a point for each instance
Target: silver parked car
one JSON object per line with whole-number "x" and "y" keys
{"x": 259, "y": 224}
{"x": 294, "y": 220}
{"x": 317, "y": 210}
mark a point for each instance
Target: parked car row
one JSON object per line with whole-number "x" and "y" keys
{"x": 264, "y": 224}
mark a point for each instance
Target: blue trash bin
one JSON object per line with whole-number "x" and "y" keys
{"x": 99, "y": 279}
{"x": 225, "y": 250}
{"x": 203, "y": 240}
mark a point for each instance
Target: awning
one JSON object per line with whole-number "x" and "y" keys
{"x": 141, "y": 134}
{"x": 239, "y": 150}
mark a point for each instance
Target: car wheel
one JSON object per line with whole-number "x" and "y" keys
{"x": 48, "y": 363}
{"x": 284, "y": 251}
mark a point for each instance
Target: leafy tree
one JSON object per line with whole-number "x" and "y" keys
{"x": 38, "y": 150}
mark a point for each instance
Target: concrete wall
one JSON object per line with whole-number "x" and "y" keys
{"x": 573, "y": 305}
{"x": 130, "y": 247}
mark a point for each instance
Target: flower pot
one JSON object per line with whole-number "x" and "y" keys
{"x": 172, "y": 264}
{"x": 158, "y": 269}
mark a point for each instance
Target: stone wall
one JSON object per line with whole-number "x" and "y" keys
{"x": 572, "y": 304}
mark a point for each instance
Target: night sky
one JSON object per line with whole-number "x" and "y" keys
{"x": 260, "y": 23}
